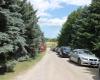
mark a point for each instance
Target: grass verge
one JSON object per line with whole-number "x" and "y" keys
{"x": 21, "y": 67}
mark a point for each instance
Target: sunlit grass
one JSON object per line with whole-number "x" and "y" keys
{"x": 21, "y": 67}
{"x": 51, "y": 44}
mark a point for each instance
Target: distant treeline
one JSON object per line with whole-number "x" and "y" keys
{"x": 50, "y": 39}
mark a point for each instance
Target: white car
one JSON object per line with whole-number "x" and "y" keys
{"x": 84, "y": 57}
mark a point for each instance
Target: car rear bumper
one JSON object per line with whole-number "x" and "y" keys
{"x": 65, "y": 54}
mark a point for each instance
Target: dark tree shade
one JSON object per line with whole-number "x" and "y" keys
{"x": 83, "y": 30}
{"x": 3, "y": 22}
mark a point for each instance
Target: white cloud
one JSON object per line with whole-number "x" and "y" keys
{"x": 52, "y": 21}
{"x": 43, "y": 14}
{"x": 44, "y": 5}
{"x": 76, "y": 2}
{"x": 47, "y": 19}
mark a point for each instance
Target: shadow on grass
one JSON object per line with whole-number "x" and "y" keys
{"x": 2, "y": 70}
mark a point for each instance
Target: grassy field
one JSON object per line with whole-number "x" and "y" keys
{"x": 51, "y": 44}
{"x": 21, "y": 67}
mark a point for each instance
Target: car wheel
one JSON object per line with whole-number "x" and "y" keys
{"x": 79, "y": 61}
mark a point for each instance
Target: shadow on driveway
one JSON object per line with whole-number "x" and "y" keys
{"x": 91, "y": 70}
{"x": 94, "y": 72}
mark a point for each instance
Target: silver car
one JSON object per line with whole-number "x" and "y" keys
{"x": 84, "y": 57}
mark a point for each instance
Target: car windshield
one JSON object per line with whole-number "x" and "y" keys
{"x": 87, "y": 52}
{"x": 65, "y": 48}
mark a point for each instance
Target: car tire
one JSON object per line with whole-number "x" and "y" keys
{"x": 79, "y": 61}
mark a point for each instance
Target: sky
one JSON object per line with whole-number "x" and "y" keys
{"x": 53, "y": 14}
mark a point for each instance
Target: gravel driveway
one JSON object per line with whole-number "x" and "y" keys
{"x": 52, "y": 67}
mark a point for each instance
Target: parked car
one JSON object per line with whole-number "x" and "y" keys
{"x": 64, "y": 51}
{"x": 84, "y": 57}
{"x": 58, "y": 50}
{"x": 52, "y": 49}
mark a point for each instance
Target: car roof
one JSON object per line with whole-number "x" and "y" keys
{"x": 80, "y": 49}
{"x": 65, "y": 47}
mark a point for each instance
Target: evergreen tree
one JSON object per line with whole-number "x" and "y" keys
{"x": 84, "y": 31}
{"x": 18, "y": 30}
{"x": 67, "y": 32}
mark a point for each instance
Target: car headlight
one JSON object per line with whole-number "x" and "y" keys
{"x": 84, "y": 58}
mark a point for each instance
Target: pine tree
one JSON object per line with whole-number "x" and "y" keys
{"x": 67, "y": 32}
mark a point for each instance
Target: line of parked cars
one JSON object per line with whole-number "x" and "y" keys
{"x": 62, "y": 51}
{"x": 80, "y": 56}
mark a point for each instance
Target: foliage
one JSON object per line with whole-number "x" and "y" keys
{"x": 82, "y": 29}
{"x": 10, "y": 66}
{"x": 51, "y": 40}
{"x": 67, "y": 32}
{"x": 19, "y": 31}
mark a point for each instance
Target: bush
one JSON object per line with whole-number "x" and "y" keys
{"x": 10, "y": 66}
{"x": 24, "y": 58}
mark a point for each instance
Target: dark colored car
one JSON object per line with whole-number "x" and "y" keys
{"x": 52, "y": 49}
{"x": 64, "y": 51}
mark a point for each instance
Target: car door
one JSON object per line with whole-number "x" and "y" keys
{"x": 75, "y": 56}
{"x": 73, "y": 53}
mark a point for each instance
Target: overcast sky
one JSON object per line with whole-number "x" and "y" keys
{"x": 53, "y": 13}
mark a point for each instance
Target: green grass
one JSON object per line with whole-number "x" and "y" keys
{"x": 21, "y": 67}
{"x": 51, "y": 44}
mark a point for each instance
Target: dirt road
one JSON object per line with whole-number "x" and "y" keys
{"x": 52, "y": 67}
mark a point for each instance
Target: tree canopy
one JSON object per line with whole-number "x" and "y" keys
{"x": 19, "y": 29}
{"x": 82, "y": 28}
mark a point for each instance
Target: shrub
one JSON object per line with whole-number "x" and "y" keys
{"x": 10, "y": 66}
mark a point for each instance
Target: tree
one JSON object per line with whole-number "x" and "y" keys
{"x": 19, "y": 29}
{"x": 67, "y": 32}
{"x": 89, "y": 27}
{"x": 33, "y": 33}
{"x": 84, "y": 31}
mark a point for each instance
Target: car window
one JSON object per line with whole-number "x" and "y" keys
{"x": 66, "y": 49}
{"x": 80, "y": 52}
{"x": 88, "y": 52}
